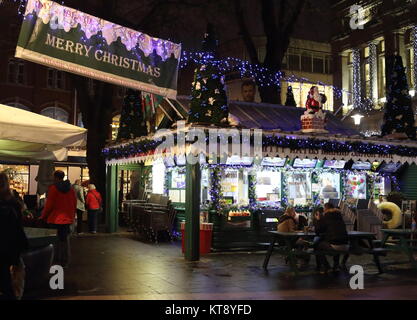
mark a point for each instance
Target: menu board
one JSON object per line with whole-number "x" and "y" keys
{"x": 305, "y": 163}
{"x": 391, "y": 167}
{"x": 244, "y": 161}
{"x": 334, "y": 164}
{"x": 360, "y": 165}
{"x": 276, "y": 162}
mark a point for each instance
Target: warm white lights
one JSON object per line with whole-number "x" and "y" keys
{"x": 357, "y": 118}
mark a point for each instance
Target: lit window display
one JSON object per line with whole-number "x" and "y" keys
{"x": 158, "y": 177}
{"x": 235, "y": 187}
{"x": 299, "y": 187}
{"x": 329, "y": 185}
{"x": 356, "y": 186}
{"x": 18, "y": 176}
{"x": 268, "y": 187}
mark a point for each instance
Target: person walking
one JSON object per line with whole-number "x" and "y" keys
{"x": 59, "y": 211}
{"x": 94, "y": 207}
{"x": 13, "y": 240}
{"x": 79, "y": 194}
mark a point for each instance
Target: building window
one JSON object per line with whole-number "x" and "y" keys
{"x": 56, "y": 113}
{"x": 294, "y": 62}
{"x": 306, "y": 63}
{"x": 115, "y": 126}
{"x": 367, "y": 80}
{"x": 80, "y": 122}
{"x": 92, "y": 87}
{"x": 410, "y": 67}
{"x": 121, "y": 92}
{"x": 350, "y": 87}
{"x": 318, "y": 65}
{"x": 55, "y": 79}
{"x": 381, "y": 76}
{"x": 16, "y": 71}
{"x": 18, "y": 105}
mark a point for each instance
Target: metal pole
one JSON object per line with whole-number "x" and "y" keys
{"x": 192, "y": 212}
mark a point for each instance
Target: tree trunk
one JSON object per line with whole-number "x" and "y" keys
{"x": 270, "y": 94}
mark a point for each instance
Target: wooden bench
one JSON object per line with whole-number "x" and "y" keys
{"x": 286, "y": 244}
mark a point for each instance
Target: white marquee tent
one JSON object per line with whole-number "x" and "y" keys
{"x": 26, "y": 135}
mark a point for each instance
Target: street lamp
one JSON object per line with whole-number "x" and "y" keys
{"x": 357, "y": 118}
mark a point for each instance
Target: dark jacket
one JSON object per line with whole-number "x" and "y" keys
{"x": 13, "y": 240}
{"x": 332, "y": 228}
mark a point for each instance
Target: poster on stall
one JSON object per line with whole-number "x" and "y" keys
{"x": 69, "y": 40}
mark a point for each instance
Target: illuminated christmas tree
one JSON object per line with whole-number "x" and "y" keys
{"x": 399, "y": 116}
{"x": 132, "y": 122}
{"x": 208, "y": 96}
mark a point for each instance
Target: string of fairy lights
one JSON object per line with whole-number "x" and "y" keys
{"x": 262, "y": 75}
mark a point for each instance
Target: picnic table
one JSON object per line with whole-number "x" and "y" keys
{"x": 405, "y": 243}
{"x": 289, "y": 250}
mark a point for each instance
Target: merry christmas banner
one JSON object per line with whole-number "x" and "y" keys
{"x": 73, "y": 41}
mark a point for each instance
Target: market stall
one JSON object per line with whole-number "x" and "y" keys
{"x": 244, "y": 196}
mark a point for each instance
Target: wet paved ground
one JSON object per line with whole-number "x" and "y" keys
{"x": 120, "y": 267}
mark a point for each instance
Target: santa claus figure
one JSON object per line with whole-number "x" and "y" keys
{"x": 315, "y": 100}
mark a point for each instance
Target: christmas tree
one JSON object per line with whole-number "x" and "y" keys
{"x": 208, "y": 96}
{"x": 290, "y": 98}
{"x": 132, "y": 122}
{"x": 398, "y": 117}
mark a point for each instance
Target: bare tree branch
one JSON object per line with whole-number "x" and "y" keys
{"x": 250, "y": 46}
{"x": 288, "y": 29}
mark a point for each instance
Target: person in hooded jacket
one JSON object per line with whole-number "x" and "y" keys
{"x": 59, "y": 211}
{"x": 331, "y": 229}
{"x": 286, "y": 222}
{"x": 93, "y": 202}
{"x": 13, "y": 240}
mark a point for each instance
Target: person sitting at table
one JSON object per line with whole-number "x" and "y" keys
{"x": 301, "y": 221}
{"x": 333, "y": 235}
{"x": 287, "y": 223}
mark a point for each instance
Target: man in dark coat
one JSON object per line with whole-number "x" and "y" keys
{"x": 331, "y": 229}
{"x": 13, "y": 240}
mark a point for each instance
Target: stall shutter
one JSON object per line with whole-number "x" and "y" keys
{"x": 409, "y": 182}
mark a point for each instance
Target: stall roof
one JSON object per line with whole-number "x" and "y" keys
{"x": 26, "y": 135}
{"x": 272, "y": 117}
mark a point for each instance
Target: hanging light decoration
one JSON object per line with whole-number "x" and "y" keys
{"x": 373, "y": 71}
{"x": 414, "y": 43}
{"x": 357, "y": 94}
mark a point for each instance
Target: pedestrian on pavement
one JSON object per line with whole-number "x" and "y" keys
{"x": 331, "y": 229}
{"x": 94, "y": 207}
{"x": 59, "y": 211}
{"x": 79, "y": 193}
{"x": 13, "y": 240}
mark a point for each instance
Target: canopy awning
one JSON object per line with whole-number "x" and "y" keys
{"x": 273, "y": 144}
{"x": 26, "y": 135}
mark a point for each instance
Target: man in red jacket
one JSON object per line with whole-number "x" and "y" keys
{"x": 59, "y": 211}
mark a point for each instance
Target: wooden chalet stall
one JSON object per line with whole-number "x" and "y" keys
{"x": 243, "y": 195}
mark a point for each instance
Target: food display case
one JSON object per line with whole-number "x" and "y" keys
{"x": 18, "y": 177}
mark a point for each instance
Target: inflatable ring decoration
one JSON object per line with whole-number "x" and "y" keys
{"x": 396, "y": 217}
